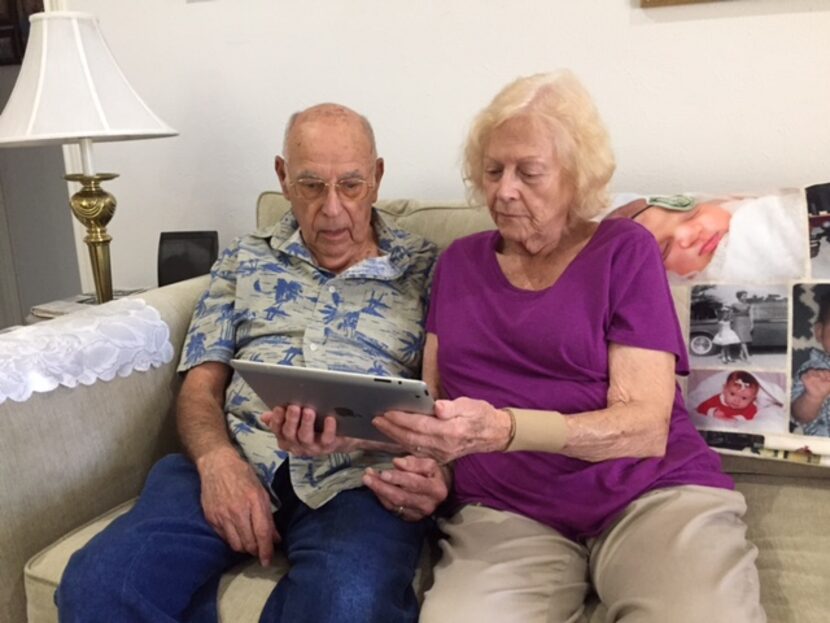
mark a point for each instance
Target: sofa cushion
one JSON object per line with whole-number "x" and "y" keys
{"x": 787, "y": 521}
{"x": 243, "y": 589}
{"x": 43, "y": 571}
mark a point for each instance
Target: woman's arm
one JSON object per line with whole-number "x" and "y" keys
{"x": 634, "y": 423}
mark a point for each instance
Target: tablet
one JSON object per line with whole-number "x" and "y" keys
{"x": 353, "y": 399}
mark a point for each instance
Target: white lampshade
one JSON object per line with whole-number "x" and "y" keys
{"x": 71, "y": 88}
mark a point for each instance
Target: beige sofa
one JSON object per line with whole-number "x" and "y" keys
{"x": 71, "y": 460}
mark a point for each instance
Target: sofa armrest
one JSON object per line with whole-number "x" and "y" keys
{"x": 68, "y": 455}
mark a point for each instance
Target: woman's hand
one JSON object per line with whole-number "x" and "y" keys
{"x": 413, "y": 489}
{"x": 460, "y": 427}
{"x": 294, "y": 428}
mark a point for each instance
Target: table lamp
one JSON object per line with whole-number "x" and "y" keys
{"x": 71, "y": 90}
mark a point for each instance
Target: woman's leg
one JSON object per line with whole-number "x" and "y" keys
{"x": 498, "y": 567}
{"x": 679, "y": 554}
{"x": 149, "y": 563}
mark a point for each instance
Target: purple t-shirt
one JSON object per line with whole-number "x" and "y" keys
{"x": 548, "y": 350}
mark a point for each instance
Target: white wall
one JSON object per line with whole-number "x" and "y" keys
{"x": 723, "y": 96}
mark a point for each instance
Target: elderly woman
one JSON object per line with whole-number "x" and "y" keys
{"x": 555, "y": 344}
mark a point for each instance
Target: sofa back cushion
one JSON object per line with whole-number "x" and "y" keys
{"x": 438, "y": 221}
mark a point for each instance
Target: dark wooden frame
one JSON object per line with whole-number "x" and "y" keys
{"x": 655, "y": 3}
{"x": 14, "y": 28}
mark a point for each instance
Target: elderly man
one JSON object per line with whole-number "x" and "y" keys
{"x": 331, "y": 285}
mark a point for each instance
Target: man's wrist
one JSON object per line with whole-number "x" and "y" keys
{"x": 220, "y": 453}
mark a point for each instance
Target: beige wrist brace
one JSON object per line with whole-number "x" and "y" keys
{"x": 537, "y": 431}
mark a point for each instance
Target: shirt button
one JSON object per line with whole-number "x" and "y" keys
{"x": 313, "y": 346}
{"x": 332, "y": 289}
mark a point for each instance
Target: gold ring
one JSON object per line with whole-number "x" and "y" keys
{"x": 399, "y": 512}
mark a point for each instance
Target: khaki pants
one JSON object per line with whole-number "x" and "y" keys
{"x": 677, "y": 555}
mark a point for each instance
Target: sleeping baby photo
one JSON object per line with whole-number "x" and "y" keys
{"x": 761, "y": 239}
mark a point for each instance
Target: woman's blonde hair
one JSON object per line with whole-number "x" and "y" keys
{"x": 562, "y": 105}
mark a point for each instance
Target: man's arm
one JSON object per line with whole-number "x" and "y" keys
{"x": 234, "y": 501}
{"x": 199, "y": 410}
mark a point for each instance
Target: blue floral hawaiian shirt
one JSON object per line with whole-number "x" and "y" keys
{"x": 269, "y": 301}
{"x": 819, "y": 360}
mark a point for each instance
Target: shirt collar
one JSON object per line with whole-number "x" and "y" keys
{"x": 395, "y": 245}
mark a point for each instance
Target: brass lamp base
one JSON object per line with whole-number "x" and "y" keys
{"x": 94, "y": 207}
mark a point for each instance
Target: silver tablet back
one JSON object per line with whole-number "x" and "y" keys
{"x": 353, "y": 399}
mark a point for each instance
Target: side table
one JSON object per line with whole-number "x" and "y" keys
{"x": 60, "y": 307}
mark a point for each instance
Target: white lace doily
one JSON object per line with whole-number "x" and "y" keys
{"x": 99, "y": 343}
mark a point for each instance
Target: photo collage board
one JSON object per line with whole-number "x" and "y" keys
{"x": 750, "y": 276}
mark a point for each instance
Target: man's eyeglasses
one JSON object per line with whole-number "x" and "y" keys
{"x": 349, "y": 189}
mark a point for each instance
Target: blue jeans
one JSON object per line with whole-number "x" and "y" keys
{"x": 351, "y": 560}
